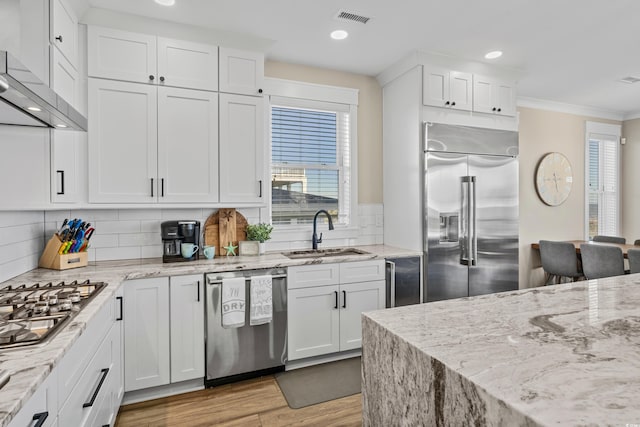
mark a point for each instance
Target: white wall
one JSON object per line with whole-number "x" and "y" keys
{"x": 21, "y": 242}
{"x": 630, "y": 180}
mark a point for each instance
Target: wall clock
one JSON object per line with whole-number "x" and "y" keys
{"x": 554, "y": 179}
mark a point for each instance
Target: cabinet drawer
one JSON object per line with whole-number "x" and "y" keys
{"x": 313, "y": 275}
{"x": 76, "y": 360}
{"x": 42, "y": 404}
{"x": 91, "y": 389}
{"x": 361, "y": 271}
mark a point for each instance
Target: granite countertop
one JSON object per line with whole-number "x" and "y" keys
{"x": 30, "y": 366}
{"x": 557, "y": 355}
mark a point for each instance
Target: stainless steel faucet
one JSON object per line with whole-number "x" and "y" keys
{"x": 315, "y": 240}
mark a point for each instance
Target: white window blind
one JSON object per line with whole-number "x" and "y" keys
{"x": 602, "y": 179}
{"x": 310, "y": 162}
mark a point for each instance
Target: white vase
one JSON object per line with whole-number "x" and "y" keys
{"x": 261, "y": 248}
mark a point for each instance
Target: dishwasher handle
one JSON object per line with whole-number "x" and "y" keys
{"x": 213, "y": 281}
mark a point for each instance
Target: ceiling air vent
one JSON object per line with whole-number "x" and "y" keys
{"x": 344, "y": 15}
{"x": 630, "y": 80}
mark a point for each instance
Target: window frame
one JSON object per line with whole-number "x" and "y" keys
{"x": 295, "y": 94}
{"x": 602, "y": 131}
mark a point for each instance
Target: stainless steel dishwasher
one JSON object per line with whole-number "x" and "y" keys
{"x": 234, "y": 354}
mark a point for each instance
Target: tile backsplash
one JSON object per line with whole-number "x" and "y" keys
{"x": 135, "y": 233}
{"x": 22, "y": 240}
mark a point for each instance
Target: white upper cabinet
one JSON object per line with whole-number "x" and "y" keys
{"x": 241, "y": 72}
{"x": 187, "y": 64}
{"x": 187, "y": 145}
{"x": 494, "y": 96}
{"x": 242, "y": 142}
{"x": 446, "y": 88}
{"x": 64, "y": 30}
{"x": 122, "y": 142}
{"x": 142, "y": 58}
{"x": 121, "y": 55}
{"x": 65, "y": 167}
{"x": 64, "y": 78}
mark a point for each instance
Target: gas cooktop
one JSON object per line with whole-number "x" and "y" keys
{"x": 30, "y": 314}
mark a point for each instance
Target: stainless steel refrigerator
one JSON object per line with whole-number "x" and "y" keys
{"x": 470, "y": 211}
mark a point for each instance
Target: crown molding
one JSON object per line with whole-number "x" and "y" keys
{"x": 542, "y": 104}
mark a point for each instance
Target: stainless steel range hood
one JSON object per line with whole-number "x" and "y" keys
{"x": 26, "y": 101}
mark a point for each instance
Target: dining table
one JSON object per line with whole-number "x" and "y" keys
{"x": 577, "y": 244}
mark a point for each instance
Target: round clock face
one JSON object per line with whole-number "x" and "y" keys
{"x": 554, "y": 179}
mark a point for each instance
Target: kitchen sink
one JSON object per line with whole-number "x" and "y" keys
{"x": 323, "y": 253}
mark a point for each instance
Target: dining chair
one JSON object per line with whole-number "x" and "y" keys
{"x": 610, "y": 239}
{"x": 636, "y": 243}
{"x": 600, "y": 261}
{"x": 634, "y": 260}
{"x": 559, "y": 261}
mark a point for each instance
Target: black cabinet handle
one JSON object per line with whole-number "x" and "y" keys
{"x": 151, "y": 77}
{"x": 59, "y": 38}
{"x": 493, "y": 109}
{"x": 121, "y": 312}
{"x": 151, "y": 187}
{"x": 259, "y": 90}
{"x": 40, "y": 418}
{"x": 198, "y": 290}
{"x": 446, "y": 103}
{"x": 61, "y": 173}
{"x": 161, "y": 187}
{"x": 161, "y": 78}
{"x": 260, "y": 192}
{"x": 336, "y": 294}
{"x": 499, "y": 109}
{"x": 453, "y": 103}
{"x": 344, "y": 299}
{"x": 90, "y": 403}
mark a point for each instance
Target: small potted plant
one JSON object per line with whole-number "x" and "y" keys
{"x": 260, "y": 233}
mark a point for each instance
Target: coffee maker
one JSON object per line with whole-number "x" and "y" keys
{"x": 174, "y": 234}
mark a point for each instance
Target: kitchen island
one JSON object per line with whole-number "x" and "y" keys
{"x": 561, "y": 355}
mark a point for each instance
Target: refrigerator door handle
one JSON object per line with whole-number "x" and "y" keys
{"x": 392, "y": 282}
{"x": 465, "y": 221}
{"x": 473, "y": 223}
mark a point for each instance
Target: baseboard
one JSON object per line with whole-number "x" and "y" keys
{"x": 325, "y": 358}
{"x": 143, "y": 395}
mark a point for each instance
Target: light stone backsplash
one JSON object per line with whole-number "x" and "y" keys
{"x": 135, "y": 233}
{"x": 21, "y": 242}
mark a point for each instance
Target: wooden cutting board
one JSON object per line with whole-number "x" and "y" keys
{"x": 224, "y": 226}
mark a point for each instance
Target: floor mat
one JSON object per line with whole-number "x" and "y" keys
{"x": 320, "y": 383}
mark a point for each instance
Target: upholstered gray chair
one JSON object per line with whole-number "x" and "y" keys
{"x": 610, "y": 239}
{"x": 636, "y": 243}
{"x": 600, "y": 261}
{"x": 634, "y": 260}
{"x": 559, "y": 261}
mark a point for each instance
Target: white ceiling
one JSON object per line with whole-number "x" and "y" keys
{"x": 568, "y": 51}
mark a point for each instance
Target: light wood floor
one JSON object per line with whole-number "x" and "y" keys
{"x": 257, "y": 402}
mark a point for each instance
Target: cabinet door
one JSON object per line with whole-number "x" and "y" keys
{"x": 122, "y": 142}
{"x": 42, "y": 405}
{"x": 242, "y": 142}
{"x": 483, "y": 93}
{"x": 460, "y": 90}
{"x": 494, "y": 96}
{"x": 64, "y": 30}
{"x": 356, "y": 298}
{"x": 64, "y": 78}
{"x": 187, "y": 64}
{"x": 241, "y": 71}
{"x": 505, "y": 95}
{"x": 187, "y": 328}
{"x": 146, "y": 333}
{"x": 121, "y": 55}
{"x": 314, "y": 322}
{"x": 118, "y": 375}
{"x": 435, "y": 86}
{"x": 361, "y": 271}
{"x": 187, "y": 145}
{"x": 65, "y": 165}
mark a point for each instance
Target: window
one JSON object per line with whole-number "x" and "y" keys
{"x": 310, "y": 161}
{"x": 602, "y": 180}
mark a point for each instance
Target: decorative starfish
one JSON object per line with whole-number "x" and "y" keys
{"x": 226, "y": 215}
{"x": 230, "y": 249}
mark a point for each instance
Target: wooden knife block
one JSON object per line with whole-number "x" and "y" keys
{"x": 53, "y": 260}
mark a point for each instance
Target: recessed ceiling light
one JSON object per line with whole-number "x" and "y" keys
{"x": 494, "y": 54}
{"x": 61, "y": 126}
{"x": 339, "y": 35}
{"x": 33, "y": 109}
{"x": 166, "y": 2}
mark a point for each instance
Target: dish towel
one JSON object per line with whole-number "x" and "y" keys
{"x": 261, "y": 300}
{"x": 233, "y": 302}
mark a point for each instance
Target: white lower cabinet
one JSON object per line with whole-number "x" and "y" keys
{"x": 325, "y": 318}
{"x": 164, "y": 331}
{"x": 41, "y": 407}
